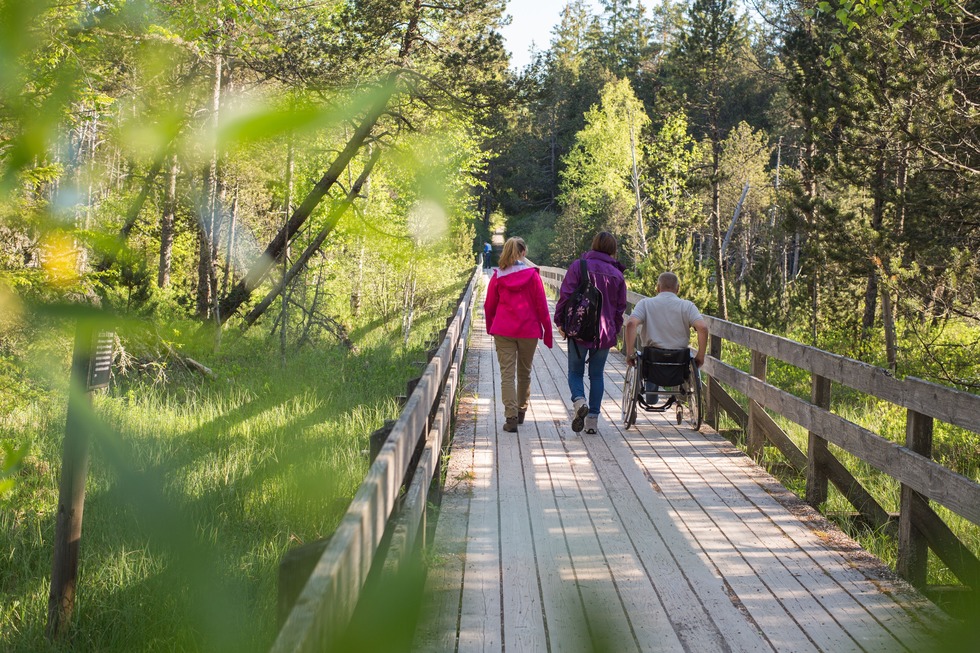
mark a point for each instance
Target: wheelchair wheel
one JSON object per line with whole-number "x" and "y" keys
{"x": 694, "y": 401}
{"x": 630, "y": 390}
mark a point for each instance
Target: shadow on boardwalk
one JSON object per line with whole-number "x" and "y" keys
{"x": 656, "y": 538}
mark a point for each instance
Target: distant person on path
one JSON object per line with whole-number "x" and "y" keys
{"x": 606, "y": 274}
{"x": 516, "y": 311}
{"x": 487, "y": 250}
{"x": 667, "y": 322}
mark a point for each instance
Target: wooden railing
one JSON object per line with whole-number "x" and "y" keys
{"x": 917, "y": 527}
{"x": 922, "y": 479}
{"x": 327, "y": 602}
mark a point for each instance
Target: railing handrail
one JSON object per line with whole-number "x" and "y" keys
{"x": 945, "y": 404}
{"x": 327, "y": 602}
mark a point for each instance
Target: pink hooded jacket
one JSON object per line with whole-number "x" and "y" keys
{"x": 516, "y": 306}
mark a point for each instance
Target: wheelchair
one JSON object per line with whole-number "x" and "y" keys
{"x": 679, "y": 385}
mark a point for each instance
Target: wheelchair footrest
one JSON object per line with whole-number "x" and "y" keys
{"x": 657, "y": 407}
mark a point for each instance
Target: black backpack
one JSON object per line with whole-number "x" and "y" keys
{"x": 580, "y": 315}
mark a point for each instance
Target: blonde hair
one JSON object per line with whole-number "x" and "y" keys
{"x": 514, "y": 249}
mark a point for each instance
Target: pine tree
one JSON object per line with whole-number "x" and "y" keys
{"x": 703, "y": 66}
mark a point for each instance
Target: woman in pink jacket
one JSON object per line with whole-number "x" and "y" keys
{"x": 517, "y": 316}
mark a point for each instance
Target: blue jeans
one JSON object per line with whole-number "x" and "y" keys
{"x": 577, "y": 355}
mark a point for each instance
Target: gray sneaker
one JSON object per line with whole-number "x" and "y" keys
{"x": 580, "y": 408}
{"x": 591, "y": 424}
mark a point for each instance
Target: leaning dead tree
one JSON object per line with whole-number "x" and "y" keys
{"x": 314, "y": 246}
{"x": 243, "y": 289}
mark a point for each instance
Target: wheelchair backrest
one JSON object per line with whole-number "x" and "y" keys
{"x": 666, "y": 367}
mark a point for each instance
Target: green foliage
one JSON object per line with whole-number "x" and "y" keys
{"x": 537, "y": 228}
{"x": 10, "y": 466}
{"x": 673, "y": 156}
{"x": 596, "y": 180}
{"x": 197, "y": 487}
{"x": 673, "y": 252}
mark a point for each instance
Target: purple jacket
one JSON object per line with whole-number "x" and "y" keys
{"x": 607, "y": 275}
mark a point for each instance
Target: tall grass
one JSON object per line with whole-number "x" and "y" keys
{"x": 196, "y": 489}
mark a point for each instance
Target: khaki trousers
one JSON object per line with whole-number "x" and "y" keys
{"x": 515, "y": 356}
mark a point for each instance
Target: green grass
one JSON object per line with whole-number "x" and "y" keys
{"x": 196, "y": 489}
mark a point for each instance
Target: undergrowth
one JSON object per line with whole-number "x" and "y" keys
{"x": 196, "y": 487}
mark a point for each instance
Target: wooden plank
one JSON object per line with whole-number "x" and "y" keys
{"x": 956, "y": 492}
{"x": 644, "y": 612}
{"x": 913, "y": 548}
{"x": 711, "y": 387}
{"x": 789, "y": 546}
{"x": 562, "y": 453}
{"x": 895, "y": 606}
{"x": 405, "y": 524}
{"x": 561, "y": 604}
{"x": 817, "y": 453}
{"x": 727, "y": 403}
{"x": 523, "y": 616}
{"x": 946, "y": 545}
{"x": 946, "y": 404}
{"x": 439, "y": 625}
{"x": 480, "y": 612}
{"x": 755, "y": 436}
{"x": 797, "y": 459}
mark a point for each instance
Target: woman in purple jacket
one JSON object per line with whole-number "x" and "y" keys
{"x": 516, "y": 310}
{"x": 607, "y": 275}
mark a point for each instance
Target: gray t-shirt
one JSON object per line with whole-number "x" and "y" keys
{"x": 666, "y": 320}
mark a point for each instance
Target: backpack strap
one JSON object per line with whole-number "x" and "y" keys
{"x": 583, "y": 280}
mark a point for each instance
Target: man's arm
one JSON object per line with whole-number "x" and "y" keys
{"x": 629, "y": 339}
{"x": 702, "y": 330}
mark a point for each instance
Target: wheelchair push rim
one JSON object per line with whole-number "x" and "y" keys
{"x": 628, "y": 402}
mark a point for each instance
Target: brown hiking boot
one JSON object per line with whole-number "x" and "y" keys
{"x": 511, "y": 425}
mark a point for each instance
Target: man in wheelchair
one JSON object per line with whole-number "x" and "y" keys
{"x": 667, "y": 321}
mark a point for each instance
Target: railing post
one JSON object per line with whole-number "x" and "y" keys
{"x": 755, "y": 437}
{"x": 711, "y": 412}
{"x": 817, "y": 453}
{"x": 913, "y": 550}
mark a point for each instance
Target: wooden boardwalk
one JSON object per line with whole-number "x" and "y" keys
{"x": 659, "y": 538}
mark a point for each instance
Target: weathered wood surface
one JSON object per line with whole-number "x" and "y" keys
{"x": 929, "y": 478}
{"x": 659, "y": 538}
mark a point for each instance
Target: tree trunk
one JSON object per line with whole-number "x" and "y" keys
{"x": 877, "y": 225}
{"x": 167, "y": 224}
{"x": 640, "y": 227}
{"x": 300, "y": 262}
{"x": 716, "y": 228}
{"x": 888, "y": 317}
{"x": 243, "y": 289}
{"x": 408, "y": 306}
{"x": 287, "y": 210}
{"x": 230, "y": 247}
{"x": 206, "y": 292}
